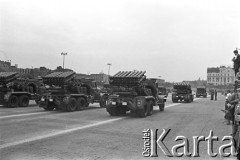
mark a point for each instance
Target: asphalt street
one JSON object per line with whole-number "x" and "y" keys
{"x": 33, "y": 134}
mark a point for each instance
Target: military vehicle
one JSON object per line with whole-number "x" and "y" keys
{"x": 130, "y": 90}
{"x": 16, "y": 92}
{"x": 162, "y": 91}
{"x": 69, "y": 93}
{"x": 182, "y": 92}
{"x": 201, "y": 91}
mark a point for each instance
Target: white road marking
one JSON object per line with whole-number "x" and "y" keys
{"x": 28, "y": 140}
{"x": 20, "y": 115}
{"x": 41, "y": 137}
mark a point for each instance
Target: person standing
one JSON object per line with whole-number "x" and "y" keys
{"x": 212, "y": 94}
{"x": 215, "y": 93}
{"x": 236, "y": 61}
{"x": 234, "y": 99}
{"x": 228, "y": 98}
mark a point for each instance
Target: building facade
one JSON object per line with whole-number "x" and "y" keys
{"x": 220, "y": 76}
{"x": 100, "y": 78}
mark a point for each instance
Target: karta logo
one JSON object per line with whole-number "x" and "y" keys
{"x": 152, "y": 142}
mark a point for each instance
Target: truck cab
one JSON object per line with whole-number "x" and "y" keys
{"x": 201, "y": 92}
{"x": 182, "y": 92}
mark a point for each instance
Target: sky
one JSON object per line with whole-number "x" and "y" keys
{"x": 172, "y": 39}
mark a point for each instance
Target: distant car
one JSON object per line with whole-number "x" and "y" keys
{"x": 201, "y": 92}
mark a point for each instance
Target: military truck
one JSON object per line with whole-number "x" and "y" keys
{"x": 182, "y": 92}
{"x": 162, "y": 91}
{"x": 16, "y": 92}
{"x": 131, "y": 91}
{"x": 69, "y": 93}
{"x": 201, "y": 91}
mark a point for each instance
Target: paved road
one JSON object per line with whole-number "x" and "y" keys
{"x": 32, "y": 133}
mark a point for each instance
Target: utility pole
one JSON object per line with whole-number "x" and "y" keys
{"x": 63, "y": 54}
{"x": 109, "y": 65}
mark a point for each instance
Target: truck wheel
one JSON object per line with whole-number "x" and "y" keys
{"x": 50, "y": 107}
{"x": 161, "y": 107}
{"x": 72, "y": 105}
{"x": 144, "y": 112}
{"x": 13, "y": 101}
{"x": 81, "y": 103}
{"x": 150, "y": 108}
{"x": 23, "y": 101}
{"x": 112, "y": 111}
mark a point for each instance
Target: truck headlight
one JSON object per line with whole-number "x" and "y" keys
{"x": 139, "y": 102}
{"x": 109, "y": 101}
{"x": 42, "y": 99}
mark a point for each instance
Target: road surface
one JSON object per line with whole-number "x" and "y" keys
{"x": 34, "y": 134}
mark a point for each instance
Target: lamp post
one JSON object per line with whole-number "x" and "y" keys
{"x": 109, "y": 65}
{"x": 63, "y": 54}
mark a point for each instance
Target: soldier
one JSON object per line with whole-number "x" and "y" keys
{"x": 212, "y": 94}
{"x": 215, "y": 92}
{"x": 236, "y": 61}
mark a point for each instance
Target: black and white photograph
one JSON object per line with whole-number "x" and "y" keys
{"x": 119, "y": 79}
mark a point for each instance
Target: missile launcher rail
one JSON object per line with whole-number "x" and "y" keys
{"x": 6, "y": 77}
{"x": 58, "y": 78}
{"x": 128, "y": 78}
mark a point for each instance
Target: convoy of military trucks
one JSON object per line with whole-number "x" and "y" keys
{"x": 127, "y": 91}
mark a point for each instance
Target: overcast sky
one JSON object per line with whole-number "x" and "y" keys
{"x": 174, "y": 39}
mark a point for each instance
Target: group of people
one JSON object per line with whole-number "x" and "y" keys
{"x": 214, "y": 94}
{"x": 232, "y": 99}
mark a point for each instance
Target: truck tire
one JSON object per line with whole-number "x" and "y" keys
{"x": 50, "y": 107}
{"x": 144, "y": 111}
{"x": 150, "y": 108}
{"x": 161, "y": 107}
{"x": 81, "y": 103}
{"x": 13, "y": 101}
{"x": 112, "y": 111}
{"x": 72, "y": 105}
{"x": 23, "y": 101}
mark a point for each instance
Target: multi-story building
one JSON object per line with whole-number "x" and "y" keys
{"x": 220, "y": 76}
{"x": 100, "y": 78}
{"x": 5, "y": 66}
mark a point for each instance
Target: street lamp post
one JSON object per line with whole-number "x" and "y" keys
{"x": 109, "y": 65}
{"x": 63, "y": 54}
